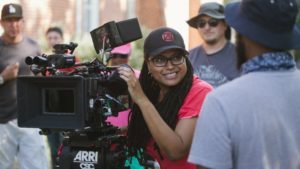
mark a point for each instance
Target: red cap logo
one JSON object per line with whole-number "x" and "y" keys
{"x": 168, "y": 36}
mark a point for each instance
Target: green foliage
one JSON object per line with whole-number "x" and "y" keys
{"x": 137, "y": 55}
{"x": 85, "y": 50}
{"x": 227, "y": 1}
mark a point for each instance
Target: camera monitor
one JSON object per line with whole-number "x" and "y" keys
{"x": 54, "y": 102}
{"x": 113, "y": 34}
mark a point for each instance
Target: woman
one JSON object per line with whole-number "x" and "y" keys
{"x": 167, "y": 100}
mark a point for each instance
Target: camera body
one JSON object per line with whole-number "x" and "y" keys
{"x": 77, "y": 102}
{"x": 62, "y": 58}
{"x": 77, "y": 105}
{"x": 66, "y": 102}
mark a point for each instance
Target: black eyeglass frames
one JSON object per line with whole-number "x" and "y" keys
{"x": 211, "y": 22}
{"x": 161, "y": 61}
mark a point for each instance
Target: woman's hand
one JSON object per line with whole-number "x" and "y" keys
{"x": 174, "y": 144}
{"x": 134, "y": 87}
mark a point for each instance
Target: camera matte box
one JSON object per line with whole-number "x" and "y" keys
{"x": 51, "y": 102}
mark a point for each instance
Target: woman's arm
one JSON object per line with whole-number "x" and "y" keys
{"x": 174, "y": 144}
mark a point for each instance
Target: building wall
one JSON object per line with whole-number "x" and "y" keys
{"x": 113, "y": 10}
{"x": 151, "y": 13}
{"x": 194, "y": 38}
{"x": 71, "y": 15}
{"x": 41, "y": 14}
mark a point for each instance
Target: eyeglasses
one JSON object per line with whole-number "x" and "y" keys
{"x": 122, "y": 56}
{"x": 211, "y": 22}
{"x": 161, "y": 61}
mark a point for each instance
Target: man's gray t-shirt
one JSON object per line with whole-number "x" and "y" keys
{"x": 10, "y": 54}
{"x": 217, "y": 68}
{"x": 252, "y": 122}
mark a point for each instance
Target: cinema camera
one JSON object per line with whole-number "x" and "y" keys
{"x": 77, "y": 102}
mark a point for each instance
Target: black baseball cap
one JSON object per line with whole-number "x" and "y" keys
{"x": 11, "y": 11}
{"x": 212, "y": 9}
{"x": 162, "y": 39}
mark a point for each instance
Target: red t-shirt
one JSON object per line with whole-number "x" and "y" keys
{"x": 190, "y": 108}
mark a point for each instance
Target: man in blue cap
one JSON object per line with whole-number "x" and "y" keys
{"x": 253, "y": 121}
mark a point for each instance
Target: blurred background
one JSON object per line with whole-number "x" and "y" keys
{"x": 78, "y": 17}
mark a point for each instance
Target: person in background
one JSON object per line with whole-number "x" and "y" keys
{"x": 167, "y": 98}
{"x": 24, "y": 144}
{"x": 54, "y": 35}
{"x": 214, "y": 61}
{"x": 120, "y": 56}
{"x": 253, "y": 121}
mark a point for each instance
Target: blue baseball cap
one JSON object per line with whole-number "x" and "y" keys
{"x": 267, "y": 22}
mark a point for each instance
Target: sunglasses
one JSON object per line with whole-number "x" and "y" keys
{"x": 122, "y": 56}
{"x": 161, "y": 61}
{"x": 211, "y": 22}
